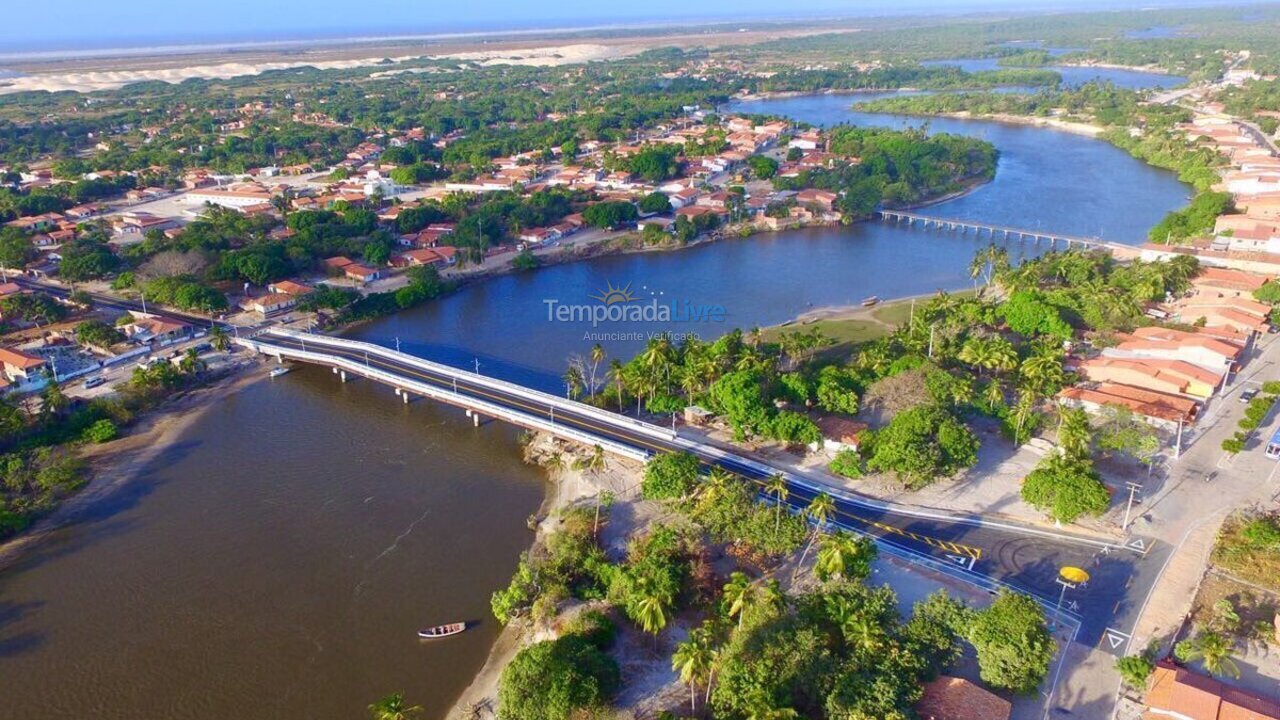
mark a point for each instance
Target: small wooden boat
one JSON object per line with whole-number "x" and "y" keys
{"x": 868, "y": 302}
{"x": 442, "y": 631}
{"x": 277, "y": 372}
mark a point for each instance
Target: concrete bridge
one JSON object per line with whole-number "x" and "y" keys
{"x": 911, "y": 219}
{"x": 992, "y": 553}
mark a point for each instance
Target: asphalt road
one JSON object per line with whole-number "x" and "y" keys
{"x": 1024, "y": 560}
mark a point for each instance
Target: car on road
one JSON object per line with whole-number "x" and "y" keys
{"x": 1247, "y": 395}
{"x": 93, "y": 382}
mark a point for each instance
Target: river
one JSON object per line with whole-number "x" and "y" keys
{"x": 278, "y": 561}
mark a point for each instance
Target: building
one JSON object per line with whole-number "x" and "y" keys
{"x": 840, "y": 433}
{"x": 1158, "y": 408}
{"x": 822, "y": 198}
{"x": 352, "y": 270}
{"x": 290, "y": 287}
{"x": 236, "y": 197}
{"x": 1158, "y": 343}
{"x": 1175, "y": 693}
{"x": 269, "y": 305}
{"x": 147, "y": 328}
{"x": 952, "y": 698}
{"x": 21, "y": 368}
{"x": 1166, "y": 376}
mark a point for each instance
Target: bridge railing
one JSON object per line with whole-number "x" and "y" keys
{"x": 427, "y": 390}
{"x": 486, "y": 381}
{"x": 701, "y": 449}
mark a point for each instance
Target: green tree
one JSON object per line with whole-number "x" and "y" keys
{"x": 1135, "y": 670}
{"x": 669, "y": 476}
{"x": 655, "y": 203}
{"x": 819, "y": 510}
{"x": 922, "y": 444}
{"x": 393, "y": 707}
{"x": 1065, "y": 489}
{"x": 556, "y": 679}
{"x": 694, "y": 659}
{"x": 1013, "y": 643}
{"x": 842, "y": 555}
{"x": 1212, "y": 649}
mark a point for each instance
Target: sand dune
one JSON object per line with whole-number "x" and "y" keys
{"x": 112, "y": 79}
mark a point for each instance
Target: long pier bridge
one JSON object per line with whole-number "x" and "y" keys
{"x": 933, "y": 222}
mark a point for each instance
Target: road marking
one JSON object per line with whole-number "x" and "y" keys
{"x": 1138, "y": 545}
{"x": 1115, "y": 638}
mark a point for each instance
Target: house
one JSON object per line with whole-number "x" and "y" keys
{"x": 269, "y": 305}
{"x": 840, "y": 433}
{"x": 1167, "y": 376}
{"x": 1159, "y": 343}
{"x": 21, "y": 368}
{"x": 289, "y": 287}
{"x": 236, "y": 197}
{"x": 1227, "y": 282}
{"x": 662, "y": 223}
{"x": 684, "y": 197}
{"x": 1176, "y": 693}
{"x": 148, "y": 328}
{"x": 433, "y": 257}
{"x": 953, "y": 698}
{"x": 1239, "y": 313}
{"x": 808, "y": 140}
{"x": 1159, "y": 408}
{"x": 353, "y": 270}
{"x": 822, "y": 198}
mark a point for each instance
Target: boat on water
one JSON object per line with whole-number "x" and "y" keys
{"x": 277, "y": 372}
{"x": 442, "y": 631}
{"x": 868, "y": 302}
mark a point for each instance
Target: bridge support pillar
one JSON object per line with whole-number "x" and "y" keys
{"x": 397, "y": 391}
{"x": 404, "y": 395}
{"x": 475, "y": 419}
{"x": 342, "y": 374}
{"x": 279, "y": 359}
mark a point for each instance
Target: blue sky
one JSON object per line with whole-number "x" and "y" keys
{"x": 66, "y": 24}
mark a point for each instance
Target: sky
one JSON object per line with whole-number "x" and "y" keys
{"x": 92, "y": 24}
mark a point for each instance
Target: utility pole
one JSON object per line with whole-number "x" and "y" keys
{"x": 477, "y": 366}
{"x": 397, "y": 343}
{"x": 1133, "y": 490}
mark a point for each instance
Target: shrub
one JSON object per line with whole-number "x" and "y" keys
{"x": 848, "y": 463}
{"x": 670, "y": 475}
{"x": 101, "y": 431}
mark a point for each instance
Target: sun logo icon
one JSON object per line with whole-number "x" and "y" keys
{"x": 613, "y": 295}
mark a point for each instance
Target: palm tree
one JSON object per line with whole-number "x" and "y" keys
{"x": 694, "y": 659}
{"x": 650, "y": 610}
{"x": 191, "y": 362}
{"x": 1074, "y": 434}
{"x": 777, "y": 487}
{"x": 1022, "y": 412}
{"x": 1212, "y": 649}
{"x": 990, "y": 261}
{"x": 218, "y": 338}
{"x": 844, "y": 556}
{"x": 1043, "y": 371}
{"x": 819, "y": 510}
{"x": 717, "y": 481}
{"x": 573, "y": 381}
{"x": 392, "y": 707}
{"x": 52, "y": 400}
{"x": 615, "y": 371}
{"x": 738, "y": 596}
{"x": 597, "y": 357}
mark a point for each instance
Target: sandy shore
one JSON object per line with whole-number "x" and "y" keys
{"x": 1076, "y": 128}
{"x": 114, "y": 465}
{"x": 566, "y": 486}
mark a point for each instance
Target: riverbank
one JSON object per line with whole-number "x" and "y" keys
{"x": 113, "y": 466}
{"x": 1068, "y": 126}
{"x": 568, "y": 484}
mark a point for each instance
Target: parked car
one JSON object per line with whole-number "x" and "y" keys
{"x": 1247, "y": 395}
{"x": 93, "y": 382}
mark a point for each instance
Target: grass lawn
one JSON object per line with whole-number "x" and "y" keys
{"x": 1249, "y": 548}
